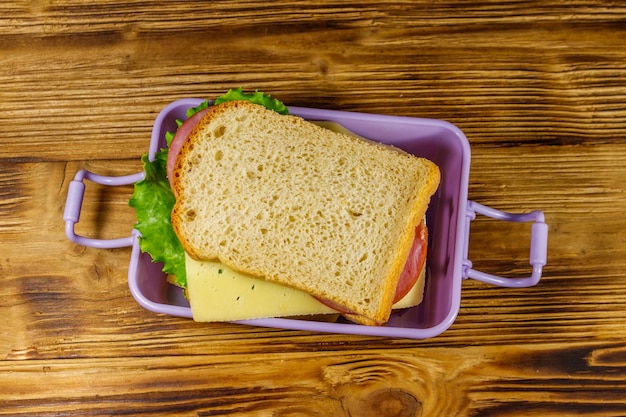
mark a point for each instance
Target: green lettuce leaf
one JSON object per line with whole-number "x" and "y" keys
{"x": 194, "y": 110}
{"x": 257, "y": 97}
{"x": 153, "y": 202}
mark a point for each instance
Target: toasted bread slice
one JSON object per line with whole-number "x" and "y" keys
{"x": 282, "y": 199}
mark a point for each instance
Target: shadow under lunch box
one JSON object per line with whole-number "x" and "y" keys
{"x": 449, "y": 216}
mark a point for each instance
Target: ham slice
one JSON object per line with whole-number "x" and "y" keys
{"x": 179, "y": 138}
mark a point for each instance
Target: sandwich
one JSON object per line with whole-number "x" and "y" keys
{"x": 251, "y": 192}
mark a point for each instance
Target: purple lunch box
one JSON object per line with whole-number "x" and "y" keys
{"x": 449, "y": 216}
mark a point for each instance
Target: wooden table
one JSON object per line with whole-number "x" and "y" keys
{"x": 538, "y": 89}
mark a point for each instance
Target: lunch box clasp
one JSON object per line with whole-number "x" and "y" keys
{"x": 538, "y": 245}
{"x": 74, "y": 202}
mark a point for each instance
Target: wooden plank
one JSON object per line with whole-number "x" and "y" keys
{"x": 439, "y": 381}
{"x": 511, "y": 90}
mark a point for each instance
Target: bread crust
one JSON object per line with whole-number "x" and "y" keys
{"x": 410, "y": 211}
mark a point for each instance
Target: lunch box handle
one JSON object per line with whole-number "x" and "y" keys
{"x": 74, "y": 202}
{"x": 538, "y": 245}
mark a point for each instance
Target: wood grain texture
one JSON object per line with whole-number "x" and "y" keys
{"x": 539, "y": 89}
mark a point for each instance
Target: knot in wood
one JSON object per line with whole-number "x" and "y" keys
{"x": 387, "y": 402}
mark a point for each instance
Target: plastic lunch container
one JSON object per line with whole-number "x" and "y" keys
{"x": 449, "y": 216}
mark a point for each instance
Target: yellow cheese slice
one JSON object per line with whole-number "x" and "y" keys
{"x": 217, "y": 293}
